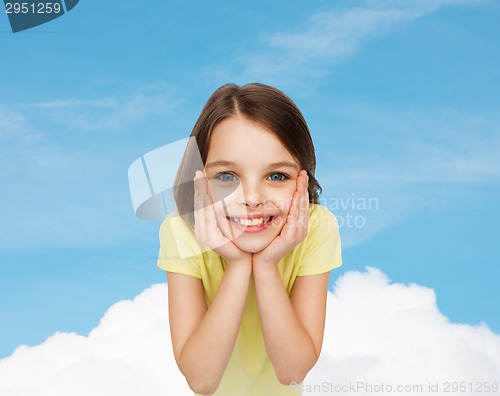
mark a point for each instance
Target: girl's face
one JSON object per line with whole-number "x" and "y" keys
{"x": 252, "y": 179}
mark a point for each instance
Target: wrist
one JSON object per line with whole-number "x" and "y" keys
{"x": 264, "y": 267}
{"x": 242, "y": 266}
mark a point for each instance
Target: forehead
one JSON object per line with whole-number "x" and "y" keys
{"x": 238, "y": 139}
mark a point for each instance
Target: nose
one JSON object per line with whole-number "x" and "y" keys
{"x": 251, "y": 195}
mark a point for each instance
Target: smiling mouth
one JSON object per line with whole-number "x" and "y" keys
{"x": 251, "y": 222}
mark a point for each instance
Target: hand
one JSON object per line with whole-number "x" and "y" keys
{"x": 206, "y": 229}
{"x": 294, "y": 230}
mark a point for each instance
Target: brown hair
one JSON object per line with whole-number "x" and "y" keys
{"x": 260, "y": 103}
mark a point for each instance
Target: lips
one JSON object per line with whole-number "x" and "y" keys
{"x": 249, "y": 222}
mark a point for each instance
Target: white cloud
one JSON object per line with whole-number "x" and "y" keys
{"x": 14, "y": 125}
{"x": 429, "y": 146}
{"x": 63, "y": 179}
{"x": 419, "y": 7}
{"x": 412, "y": 157}
{"x": 416, "y": 161}
{"x": 394, "y": 334}
{"x": 110, "y": 113}
{"x": 375, "y": 332}
{"x": 64, "y": 195}
{"x": 128, "y": 353}
{"x": 328, "y": 38}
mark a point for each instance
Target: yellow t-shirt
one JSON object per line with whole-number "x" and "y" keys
{"x": 249, "y": 371}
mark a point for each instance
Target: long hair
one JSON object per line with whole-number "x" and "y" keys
{"x": 259, "y": 103}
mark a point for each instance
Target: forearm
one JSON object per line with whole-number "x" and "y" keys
{"x": 206, "y": 353}
{"x": 290, "y": 348}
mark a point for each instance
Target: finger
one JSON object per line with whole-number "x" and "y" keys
{"x": 303, "y": 219}
{"x": 202, "y": 184}
{"x": 208, "y": 205}
{"x": 210, "y": 227}
{"x": 300, "y": 199}
{"x": 303, "y": 183}
{"x": 295, "y": 206}
{"x": 201, "y": 187}
{"x": 304, "y": 202}
{"x": 209, "y": 211}
{"x": 305, "y": 193}
{"x": 300, "y": 208}
{"x": 199, "y": 213}
{"x": 204, "y": 215}
{"x": 199, "y": 190}
{"x": 291, "y": 219}
{"x": 302, "y": 192}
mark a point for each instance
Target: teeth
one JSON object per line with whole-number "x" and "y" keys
{"x": 250, "y": 222}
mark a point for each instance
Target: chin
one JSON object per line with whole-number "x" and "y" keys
{"x": 251, "y": 246}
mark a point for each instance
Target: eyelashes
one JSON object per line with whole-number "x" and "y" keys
{"x": 277, "y": 176}
{"x": 229, "y": 177}
{"x": 225, "y": 177}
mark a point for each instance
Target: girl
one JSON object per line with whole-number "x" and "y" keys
{"x": 248, "y": 253}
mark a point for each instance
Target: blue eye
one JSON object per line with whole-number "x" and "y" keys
{"x": 225, "y": 177}
{"x": 277, "y": 177}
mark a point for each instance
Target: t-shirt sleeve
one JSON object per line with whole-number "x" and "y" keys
{"x": 179, "y": 250}
{"x": 322, "y": 247}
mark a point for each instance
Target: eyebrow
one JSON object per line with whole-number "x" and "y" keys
{"x": 281, "y": 164}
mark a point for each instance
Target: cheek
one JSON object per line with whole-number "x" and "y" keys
{"x": 284, "y": 199}
{"x": 226, "y": 192}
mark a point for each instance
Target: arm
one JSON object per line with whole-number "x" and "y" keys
{"x": 292, "y": 326}
{"x": 203, "y": 337}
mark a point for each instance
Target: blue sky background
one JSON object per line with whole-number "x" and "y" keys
{"x": 401, "y": 98}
